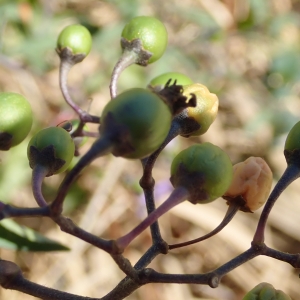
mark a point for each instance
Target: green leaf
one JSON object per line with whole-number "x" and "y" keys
{"x": 17, "y": 237}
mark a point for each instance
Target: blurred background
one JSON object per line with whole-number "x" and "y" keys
{"x": 247, "y": 52}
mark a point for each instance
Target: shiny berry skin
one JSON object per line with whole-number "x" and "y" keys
{"x": 61, "y": 142}
{"x": 160, "y": 81}
{"x": 144, "y": 115}
{"x": 75, "y": 37}
{"x": 265, "y": 291}
{"x": 15, "y": 117}
{"x": 205, "y": 170}
{"x": 151, "y": 32}
{"x": 293, "y": 139}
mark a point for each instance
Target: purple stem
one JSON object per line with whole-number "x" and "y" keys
{"x": 127, "y": 59}
{"x": 100, "y": 147}
{"x": 291, "y": 173}
{"x": 64, "y": 69}
{"x": 39, "y": 172}
{"x": 231, "y": 212}
{"x": 178, "y": 195}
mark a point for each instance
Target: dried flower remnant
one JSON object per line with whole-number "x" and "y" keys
{"x": 252, "y": 181}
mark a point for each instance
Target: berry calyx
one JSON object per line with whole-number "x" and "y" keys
{"x": 15, "y": 119}
{"x": 77, "y": 39}
{"x": 151, "y": 32}
{"x": 144, "y": 119}
{"x": 159, "y": 82}
{"x": 205, "y": 170}
{"x": 53, "y": 148}
{"x": 198, "y": 119}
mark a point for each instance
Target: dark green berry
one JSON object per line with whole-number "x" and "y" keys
{"x": 15, "y": 119}
{"x": 75, "y": 37}
{"x": 293, "y": 139}
{"x": 52, "y": 147}
{"x": 205, "y": 170}
{"x": 143, "y": 115}
{"x": 151, "y": 32}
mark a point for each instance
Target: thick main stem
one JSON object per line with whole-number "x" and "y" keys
{"x": 179, "y": 195}
{"x": 291, "y": 173}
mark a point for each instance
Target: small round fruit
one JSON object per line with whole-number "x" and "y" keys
{"x": 293, "y": 139}
{"x": 62, "y": 143}
{"x": 144, "y": 115}
{"x": 205, "y": 170}
{"x": 160, "y": 81}
{"x": 15, "y": 117}
{"x": 75, "y": 37}
{"x": 151, "y": 32}
{"x": 266, "y": 291}
{"x": 206, "y": 109}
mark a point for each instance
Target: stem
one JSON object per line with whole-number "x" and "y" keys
{"x": 178, "y": 195}
{"x": 64, "y": 69}
{"x": 8, "y": 211}
{"x": 39, "y": 172}
{"x": 12, "y": 278}
{"x": 291, "y": 173}
{"x": 100, "y": 147}
{"x": 231, "y": 211}
{"x": 127, "y": 59}
{"x": 147, "y": 182}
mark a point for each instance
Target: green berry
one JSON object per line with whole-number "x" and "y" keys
{"x": 62, "y": 144}
{"x": 265, "y": 291}
{"x": 204, "y": 169}
{"x": 206, "y": 109}
{"x": 151, "y": 32}
{"x": 75, "y": 37}
{"x": 160, "y": 81}
{"x": 145, "y": 117}
{"x": 15, "y": 119}
{"x": 293, "y": 139}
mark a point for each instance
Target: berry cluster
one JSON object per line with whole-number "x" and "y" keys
{"x": 137, "y": 124}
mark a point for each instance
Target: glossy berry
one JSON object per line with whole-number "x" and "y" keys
{"x": 293, "y": 139}
{"x": 144, "y": 116}
{"x": 151, "y": 32}
{"x": 15, "y": 119}
{"x": 62, "y": 144}
{"x": 265, "y": 291}
{"x": 204, "y": 169}
{"x": 206, "y": 109}
{"x": 75, "y": 37}
{"x": 160, "y": 81}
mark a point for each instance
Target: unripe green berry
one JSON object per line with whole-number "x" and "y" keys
{"x": 206, "y": 109}
{"x": 160, "y": 81}
{"x": 144, "y": 116}
{"x": 15, "y": 119}
{"x": 205, "y": 170}
{"x": 75, "y": 37}
{"x": 63, "y": 149}
{"x": 151, "y": 32}
{"x": 293, "y": 139}
{"x": 265, "y": 291}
